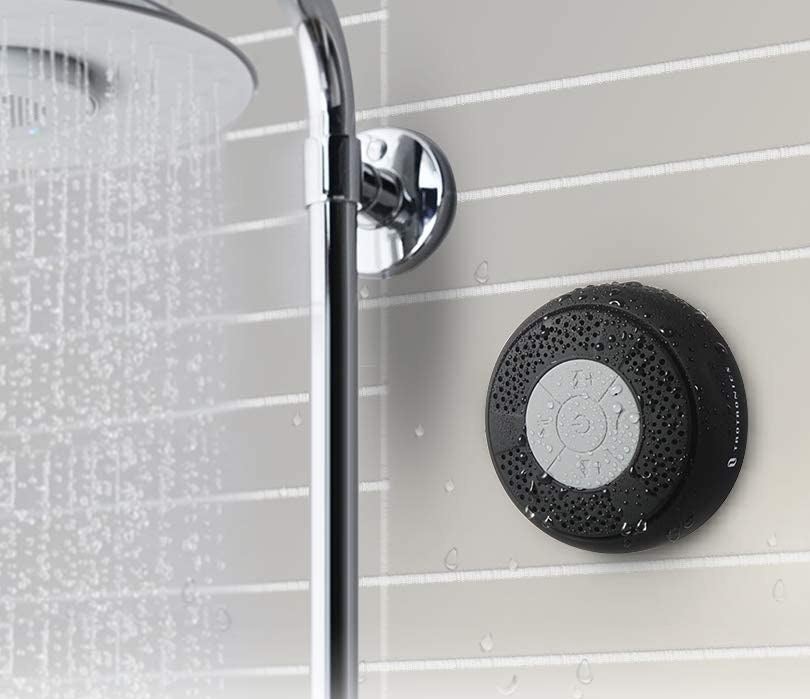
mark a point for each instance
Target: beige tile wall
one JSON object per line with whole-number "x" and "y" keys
{"x": 666, "y": 142}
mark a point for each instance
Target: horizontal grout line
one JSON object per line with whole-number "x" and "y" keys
{"x": 265, "y": 131}
{"x": 164, "y": 678}
{"x": 587, "y": 278}
{"x": 253, "y": 226}
{"x": 224, "y": 408}
{"x": 554, "y": 85}
{"x": 537, "y": 572}
{"x": 584, "y": 569}
{"x": 598, "y": 658}
{"x": 236, "y": 498}
{"x": 392, "y": 581}
{"x": 678, "y": 655}
{"x": 677, "y": 167}
{"x": 287, "y": 32}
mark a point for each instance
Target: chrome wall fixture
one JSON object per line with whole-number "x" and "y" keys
{"x": 403, "y": 187}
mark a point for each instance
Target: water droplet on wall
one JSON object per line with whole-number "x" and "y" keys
{"x": 482, "y": 273}
{"x": 510, "y": 688}
{"x": 449, "y": 486}
{"x": 419, "y": 431}
{"x": 584, "y": 673}
{"x": 451, "y": 559}
{"x": 297, "y": 420}
{"x": 513, "y": 565}
{"x": 778, "y": 592}
{"x": 222, "y": 620}
{"x": 487, "y": 643}
{"x": 772, "y": 541}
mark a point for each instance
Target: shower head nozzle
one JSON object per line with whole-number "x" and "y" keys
{"x": 72, "y": 71}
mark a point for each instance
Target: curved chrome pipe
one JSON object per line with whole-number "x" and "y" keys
{"x": 334, "y": 170}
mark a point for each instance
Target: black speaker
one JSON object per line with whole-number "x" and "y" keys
{"x": 616, "y": 418}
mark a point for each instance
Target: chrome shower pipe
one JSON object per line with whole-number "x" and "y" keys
{"x": 333, "y": 187}
{"x": 405, "y": 192}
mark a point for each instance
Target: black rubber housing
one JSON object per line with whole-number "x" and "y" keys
{"x": 692, "y": 407}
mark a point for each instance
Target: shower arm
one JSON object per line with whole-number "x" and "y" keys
{"x": 333, "y": 187}
{"x": 404, "y": 194}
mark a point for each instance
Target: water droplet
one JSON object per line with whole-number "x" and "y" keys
{"x": 487, "y": 643}
{"x": 617, "y": 408}
{"x": 482, "y": 273}
{"x": 510, "y": 688}
{"x": 297, "y": 420}
{"x": 634, "y": 419}
{"x": 222, "y": 620}
{"x": 577, "y": 693}
{"x": 599, "y": 347}
{"x": 550, "y": 405}
{"x": 616, "y": 389}
{"x": 189, "y": 592}
{"x": 513, "y": 565}
{"x": 779, "y": 591}
{"x": 451, "y": 559}
{"x": 449, "y": 486}
{"x": 584, "y": 674}
{"x": 772, "y": 541}
{"x": 364, "y": 292}
{"x": 419, "y": 431}
{"x": 674, "y": 534}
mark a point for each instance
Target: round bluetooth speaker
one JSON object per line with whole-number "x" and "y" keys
{"x": 616, "y": 418}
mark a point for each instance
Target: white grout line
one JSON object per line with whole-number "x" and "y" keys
{"x": 287, "y": 32}
{"x": 598, "y": 658}
{"x": 264, "y": 131}
{"x": 236, "y": 498}
{"x": 555, "y": 85}
{"x": 676, "y": 655}
{"x": 240, "y": 227}
{"x": 584, "y": 279}
{"x": 636, "y": 173}
{"x": 388, "y": 582}
{"x": 583, "y": 569}
{"x": 224, "y": 408}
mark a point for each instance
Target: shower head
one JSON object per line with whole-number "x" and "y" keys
{"x": 75, "y": 74}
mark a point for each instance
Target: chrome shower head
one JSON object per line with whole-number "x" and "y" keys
{"x": 72, "y": 70}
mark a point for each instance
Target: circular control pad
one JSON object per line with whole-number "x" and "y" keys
{"x": 583, "y": 424}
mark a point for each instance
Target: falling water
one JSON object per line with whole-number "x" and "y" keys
{"x": 108, "y": 446}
